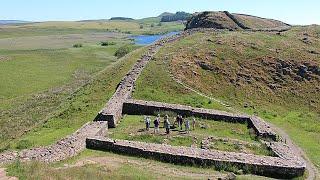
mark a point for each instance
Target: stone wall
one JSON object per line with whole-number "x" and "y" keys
{"x": 65, "y": 148}
{"x": 139, "y": 107}
{"x": 262, "y": 165}
{"x": 112, "y": 112}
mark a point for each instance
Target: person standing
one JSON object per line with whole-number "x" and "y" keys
{"x": 147, "y": 121}
{"x": 167, "y": 124}
{"x": 181, "y": 122}
{"x": 193, "y": 123}
{"x": 178, "y": 121}
{"x": 156, "y": 123}
{"x": 187, "y": 124}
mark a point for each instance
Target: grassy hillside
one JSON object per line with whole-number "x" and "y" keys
{"x": 273, "y": 76}
{"x": 254, "y": 22}
{"x": 43, "y": 118}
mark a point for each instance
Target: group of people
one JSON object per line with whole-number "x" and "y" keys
{"x": 167, "y": 125}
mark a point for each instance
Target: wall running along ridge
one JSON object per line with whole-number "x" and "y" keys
{"x": 112, "y": 112}
{"x": 262, "y": 165}
{"x": 75, "y": 143}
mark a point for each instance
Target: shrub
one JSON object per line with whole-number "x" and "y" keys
{"x": 159, "y": 24}
{"x": 122, "y": 51}
{"x": 152, "y": 25}
{"x": 107, "y": 43}
{"x": 141, "y": 26}
{"x": 77, "y": 45}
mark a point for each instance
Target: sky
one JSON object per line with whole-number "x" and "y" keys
{"x": 301, "y": 12}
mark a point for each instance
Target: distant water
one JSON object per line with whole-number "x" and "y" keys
{"x": 149, "y": 39}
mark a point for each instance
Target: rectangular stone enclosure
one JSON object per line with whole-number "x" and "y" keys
{"x": 138, "y": 107}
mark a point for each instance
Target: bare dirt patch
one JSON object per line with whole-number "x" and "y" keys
{"x": 5, "y": 58}
{"x": 3, "y": 175}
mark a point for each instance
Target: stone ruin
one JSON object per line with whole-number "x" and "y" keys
{"x": 286, "y": 164}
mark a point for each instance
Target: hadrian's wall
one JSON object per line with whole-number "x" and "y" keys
{"x": 112, "y": 112}
{"x": 277, "y": 167}
{"x": 64, "y": 148}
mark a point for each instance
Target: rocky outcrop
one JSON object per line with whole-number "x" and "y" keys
{"x": 277, "y": 167}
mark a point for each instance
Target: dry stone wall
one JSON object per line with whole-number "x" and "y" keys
{"x": 262, "y": 165}
{"x": 65, "y": 148}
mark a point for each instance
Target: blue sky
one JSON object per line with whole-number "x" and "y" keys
{"x": 290, "y": 11}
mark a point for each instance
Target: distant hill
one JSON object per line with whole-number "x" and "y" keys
{"x": 226, "y": 20}
{"x": 179, "y": 16}
{"x": 121, "y": 18}
{"x": 3, "y": 22}
{"x": 165, "y": 14}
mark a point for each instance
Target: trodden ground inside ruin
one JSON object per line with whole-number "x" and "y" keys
{"x": 208, "y": 134}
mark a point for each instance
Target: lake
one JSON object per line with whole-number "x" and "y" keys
{"x": 149, "y": 39}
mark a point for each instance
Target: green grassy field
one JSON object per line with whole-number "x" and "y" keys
{"x": 85, "y": 27}
{"x": 239, "y": 77}
{"x": 58, "y": 114}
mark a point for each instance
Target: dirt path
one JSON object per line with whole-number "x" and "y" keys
{"x": 3, "y": 175}
{"x": 313, "y": 173}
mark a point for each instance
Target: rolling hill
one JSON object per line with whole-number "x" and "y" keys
{"x": 231, "y": 62}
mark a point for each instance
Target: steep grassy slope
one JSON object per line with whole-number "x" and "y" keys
{"x": 254, "y": 22}
{"x": 217, "y": 19}
{"x": 156, "y": 84}
{"x": 274, "y": 76}
{"x": 226, "y": 20}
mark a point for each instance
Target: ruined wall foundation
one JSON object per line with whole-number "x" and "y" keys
{"x": 262, "y": 165}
